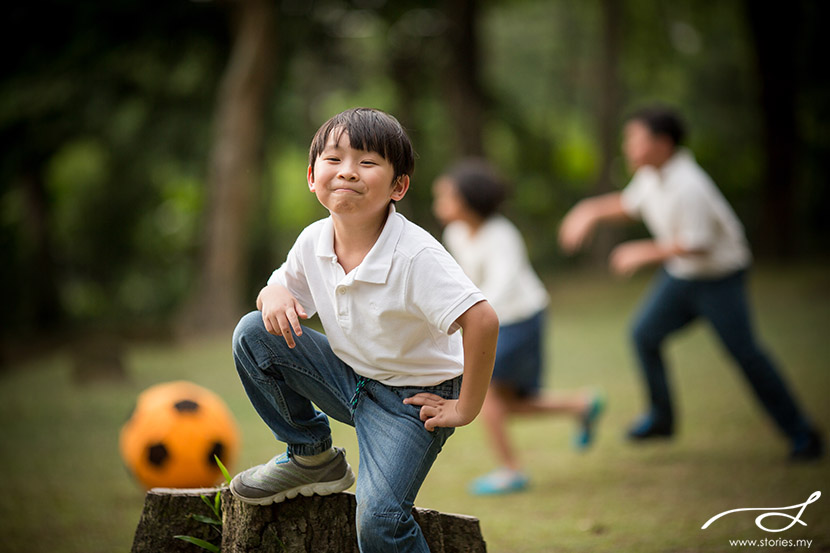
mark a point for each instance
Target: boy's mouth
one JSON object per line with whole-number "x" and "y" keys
{"x": 344, "y": 190}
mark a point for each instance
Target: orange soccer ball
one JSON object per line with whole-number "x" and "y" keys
{"x": 173, "y": 434}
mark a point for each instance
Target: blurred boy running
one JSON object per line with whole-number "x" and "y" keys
{"x": 700, "y": 243}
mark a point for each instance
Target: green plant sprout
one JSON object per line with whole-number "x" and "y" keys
{"x": 214, "y": 521}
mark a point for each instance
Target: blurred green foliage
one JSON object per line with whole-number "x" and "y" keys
{"x": 106, "y": 120}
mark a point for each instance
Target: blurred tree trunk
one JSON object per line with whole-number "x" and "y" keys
{"x": 464, "y": 95}
{"x": 47, "y": 310}
{"x": 29, "y": 279}
{"x": 775, "y": 33}
{"x": 608, "y": 116}
{"x": 234, "y": 169}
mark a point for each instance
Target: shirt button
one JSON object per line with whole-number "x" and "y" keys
{"x": 341, "y": 290}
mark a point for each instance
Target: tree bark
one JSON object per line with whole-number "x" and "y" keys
{"x": 48, "y": 311}
{"x": 775, "y": 33}
{"x": 167, "y": 513}
{"x": 234, "y": 169}
{"x": 608, "y": 115}
{"x": 465, "y": 99}
{"x": 318, "y": 524}
{"x": 327, "y": 525}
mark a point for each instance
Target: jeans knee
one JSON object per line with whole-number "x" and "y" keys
{"x": 248, "y": 327}
{"x": 378, "y": 530}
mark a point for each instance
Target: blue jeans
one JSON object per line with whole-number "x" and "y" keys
{"x": 672, "y": 304}
{"x": 396, "y": 451}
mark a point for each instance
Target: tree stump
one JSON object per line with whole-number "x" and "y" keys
{"x": 318, "y": 524}
{"x": 167, "y": 513}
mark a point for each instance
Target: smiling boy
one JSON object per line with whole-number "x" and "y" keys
{"x": 390, "y": 300}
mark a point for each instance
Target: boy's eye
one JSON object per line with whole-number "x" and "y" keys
{"x": 331, "y": 158}
{"x": 369, "y": 162}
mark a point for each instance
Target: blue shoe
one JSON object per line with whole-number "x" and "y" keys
{"x": 649, "y": 426}
{"x": 808, "y": 448}
{"x": 585, "y": 435}
{"x": 500, "y": 481}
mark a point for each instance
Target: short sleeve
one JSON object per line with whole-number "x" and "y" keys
{"x": 696, "y": 222}
{"x": 438, "y": 288}
{"x": 634, "y": 194}
{"x": 292, "y": 275}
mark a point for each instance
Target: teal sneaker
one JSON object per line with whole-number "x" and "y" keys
{"x": 283, "y": 478}
{"x": 500, "y": 481}
{"x": 585, "y": 435}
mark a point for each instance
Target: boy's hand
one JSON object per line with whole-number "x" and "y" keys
{"x": 281, "y": 312}
{"x": 578, "y": 224}
{"x": 437, "y": 411}
{"x": 576, "y": 227}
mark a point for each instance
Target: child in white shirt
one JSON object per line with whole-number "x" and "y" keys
{"x": 492, "y": 252}
{"x": 390, "y": 300}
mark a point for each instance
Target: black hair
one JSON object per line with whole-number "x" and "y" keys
{"x": 479, "y": 184}
{"x": 372, "y": 130}
{"x": 661, "y": 121}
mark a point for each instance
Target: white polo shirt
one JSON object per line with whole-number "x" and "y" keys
{"x": 495, "y": 258}
{"x": 392, "y": 318}
{"x": 680, "y": 204}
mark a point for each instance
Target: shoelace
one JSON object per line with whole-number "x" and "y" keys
{"x": 361, "y": 382}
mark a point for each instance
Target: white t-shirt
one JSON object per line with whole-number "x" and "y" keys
{"x": 680, "y": 204}
{"x": 392, "y": 318}
{"x": 495, "y": 259}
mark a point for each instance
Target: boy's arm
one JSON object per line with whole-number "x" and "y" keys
{"x": 627, "y": 258}
{"x": 582, "y": 218}
{"x": 281, "y": 312}
{"x": 480, "y": 328}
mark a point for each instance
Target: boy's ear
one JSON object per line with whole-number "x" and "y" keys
{"x": 400, "y": 187}
{"x": 310, "y": 178}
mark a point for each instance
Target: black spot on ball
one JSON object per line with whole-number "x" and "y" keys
{"x": 219, "y": 450}
{"x": 186, "y": 406}
{"x": 157, "y": 454}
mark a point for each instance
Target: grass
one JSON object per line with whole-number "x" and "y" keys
{"x": 64, "y": 488}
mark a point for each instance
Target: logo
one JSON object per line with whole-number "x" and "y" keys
{"x": 772, "y": 512}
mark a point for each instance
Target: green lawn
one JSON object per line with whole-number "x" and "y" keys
{"x": 64, "y": 488}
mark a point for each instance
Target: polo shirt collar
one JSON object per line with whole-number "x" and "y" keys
{"x": 376, "y": 265}
{"x": 680, "y": 158}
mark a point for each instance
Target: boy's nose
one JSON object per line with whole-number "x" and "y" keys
{"x": 347, "y": 172}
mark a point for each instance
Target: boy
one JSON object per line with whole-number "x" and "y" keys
{"x": 701, "y": 245}
{"x": 490, "y": 249}
{"x": 390, "y": 300}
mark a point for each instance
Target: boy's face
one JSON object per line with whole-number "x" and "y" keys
{"x": 641, "y": 147}
{"x": 350, "y": 182}
{"x": 447, "y": 203}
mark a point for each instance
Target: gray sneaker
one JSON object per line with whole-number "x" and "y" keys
{"x": 283, "y": 478}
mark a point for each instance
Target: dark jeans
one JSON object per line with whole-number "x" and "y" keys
{"x": 672, "y": 304}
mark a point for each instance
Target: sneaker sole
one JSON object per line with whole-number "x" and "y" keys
{"x": 307, "y": 490}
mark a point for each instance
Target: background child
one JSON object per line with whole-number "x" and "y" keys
{"x": 700, "y": 243}
{"x": 492, "y": 252}
{"x": 390, "y": 300}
